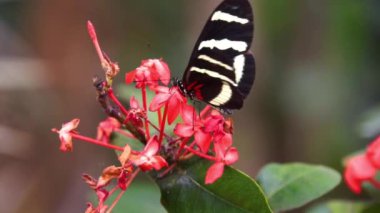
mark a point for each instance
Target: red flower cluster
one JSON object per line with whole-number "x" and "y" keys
{"x": 363, "y": 167}
{"x": 207, "y": 135}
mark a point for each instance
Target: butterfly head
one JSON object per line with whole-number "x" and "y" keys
{"x": 182, "y": 88}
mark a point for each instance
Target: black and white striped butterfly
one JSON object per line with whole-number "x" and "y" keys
{"x": 221, "y": 69}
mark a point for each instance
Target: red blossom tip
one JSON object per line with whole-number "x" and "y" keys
{"x": 91, "y": 30}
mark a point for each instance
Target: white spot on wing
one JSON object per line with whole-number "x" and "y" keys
{"x": 214, "y": 61}
{"x": 239, "y": 62}
{"x": 213, "y": 74}
{"x": 224, "y": 44}
{"x": 223, "y": 97}
{"x": 222, "y": 16}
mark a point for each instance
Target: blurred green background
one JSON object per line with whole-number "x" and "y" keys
{"x": 317, "y": 84}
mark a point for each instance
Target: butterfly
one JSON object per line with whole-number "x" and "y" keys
{"x": 221, "y": 69}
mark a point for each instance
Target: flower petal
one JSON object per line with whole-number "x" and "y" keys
{"x": 214, "y": 123}
{"x": 151, "y": 148}
{"x": 203, "y": 140}
{"x": 214, "y": 172}
{"x": 184, "y": 130}
{"x": 361, "y": 167}
{"x": 163, "y": 70}
{"x": 70, "y": 126}
{"x": 188, "y": 114}
{"x": 133, "y": 103}
{"x": 91, "y": 182}
{"x": 219, "y": 151}
{"x": 66, "y": 142}
{"x": 108, "y": 174}
{"x": 158, "y": 101}
{"x": 373, "y": 153}
{"x": 174, "y": 107}
{"x": 161, "y": 89}
{"x": 354, "y": 184}
{"x": 130, "y": 77}
{"x": 231, "y": 156}
{"x": 124, "y": 156}
{"x": 358, "y": 169}
{"x": 158, "y": 162}
{"x": 226, "y": 141}
{"x": 105, "y": 129}
{"x": 102, "y": 196}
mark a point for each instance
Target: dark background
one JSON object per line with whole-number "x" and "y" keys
{"x": 317, "y": 81}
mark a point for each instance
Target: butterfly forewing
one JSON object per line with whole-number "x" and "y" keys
{"x": 221, "y": 68}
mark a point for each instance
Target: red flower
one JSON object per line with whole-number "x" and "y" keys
{"x": 147, "y": 159}
{"x": 172, "y": 98}
{"x": 135, "y": 113}
{"x": 373, "y": 152}
{"x": 216, "y": 124}
{"x": 149, "y": 73}
{"x": 225, "y": 155}
{"x": 193, "y": 125}
{"x": 160, "y": 67}
{"x": 359, "y": 169}
{"x": 105, "y": 129}
{"x": 65, "y": 134}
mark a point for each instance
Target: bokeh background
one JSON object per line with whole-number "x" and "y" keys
{"x": 315, "y": 97}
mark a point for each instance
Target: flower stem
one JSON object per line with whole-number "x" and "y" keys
{"x": 186, "y": 152}
{"x": 163, "y": 122}
{"x": 116, "y": 101}
{"x": 159, "y": 115}
{"x": 124, "y": 133}
{"x": 156, "y": 128}
{"x": 167, "y": 170}
{"x": 200, "y": 154}
{"x": 113, "y": 190}
{"x": 143, "y": 91}
{"x": 122, "y": 191}
{"x": 115, "y": 201}
{"x": 96, "y": 142}
{"x": 181, "y": 146}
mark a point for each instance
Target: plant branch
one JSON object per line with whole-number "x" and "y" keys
{"x": 114, "y": 111}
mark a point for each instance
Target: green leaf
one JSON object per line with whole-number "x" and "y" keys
{"x": 289, "y": 186}
{"x": 346, "y": 206}
{"x": 184, "y": 191}
{"x": 372, "y": 208}
{"x": 338, "y": 206}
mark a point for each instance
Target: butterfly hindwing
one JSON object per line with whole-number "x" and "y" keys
{"x": 221, "y": 69}
{"x": 247, "y": 73}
